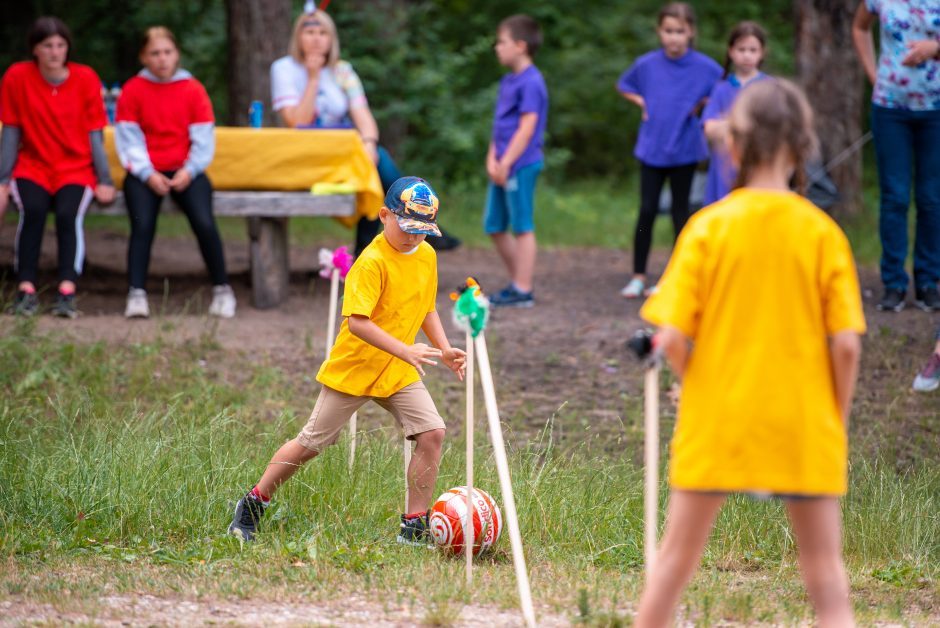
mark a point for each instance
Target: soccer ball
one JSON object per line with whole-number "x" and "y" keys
{"x": 448, "y": 517}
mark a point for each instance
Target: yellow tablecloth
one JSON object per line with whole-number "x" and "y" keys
{"x": 286, "y": 160}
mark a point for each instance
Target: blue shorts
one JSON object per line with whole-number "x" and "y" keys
{"x": 514, "y": 204}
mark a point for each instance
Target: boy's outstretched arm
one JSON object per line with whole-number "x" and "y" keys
{"x": 846, "y": 350}
{"x": 455, "y": 359}
{"x": 416, "y": 355}
{"x": 517, "y": 145}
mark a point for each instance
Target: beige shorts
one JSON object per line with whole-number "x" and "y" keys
{"x": 411, "y": 406}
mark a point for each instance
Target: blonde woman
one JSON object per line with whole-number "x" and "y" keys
{"x": 313, "y": 88}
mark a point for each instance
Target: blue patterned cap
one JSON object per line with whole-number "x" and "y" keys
{"x": 415, "y": 205}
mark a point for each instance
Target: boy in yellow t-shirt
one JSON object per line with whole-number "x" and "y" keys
{"x": 389, "y": 296}
{"x": 760, "y": 314}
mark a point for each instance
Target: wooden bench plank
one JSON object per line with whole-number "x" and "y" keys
{"x": 266, "y": 204}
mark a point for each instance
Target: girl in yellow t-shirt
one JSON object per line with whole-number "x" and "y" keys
{"x": 760, "y": 313}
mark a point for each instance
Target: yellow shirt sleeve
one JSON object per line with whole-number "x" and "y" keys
{"x": 363, "y": 289}
{"x": 842, "y": 297}
{"x": 678, "y": 302}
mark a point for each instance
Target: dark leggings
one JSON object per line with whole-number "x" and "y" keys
{"x": 652, "y": 180}
{"x": 69, "y": 204}
{"x": 143, "y": 205}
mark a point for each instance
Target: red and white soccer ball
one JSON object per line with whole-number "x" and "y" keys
{"x": 449, "y": 516}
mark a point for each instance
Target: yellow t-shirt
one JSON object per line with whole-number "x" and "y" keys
{"x": 758, "y": 282}
{"x": 396, "y": 291}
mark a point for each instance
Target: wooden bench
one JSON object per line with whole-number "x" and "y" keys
{"x": 267, "y": 214}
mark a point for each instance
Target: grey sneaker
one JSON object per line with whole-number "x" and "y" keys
{"x": 929, "y": 377}
{"x": 248, "y": 513}
{"x": 65, "y": 306}
{"x": 25, "y": 304}
{"x": 223, "y": 302}
{"x": 892, "y": 301}
{"x": 927, "y": 298}
{"x": 414, "y": 530}
{"x": 137, "y": 305}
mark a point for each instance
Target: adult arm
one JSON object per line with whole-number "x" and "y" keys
{"x": 517, "y": 145}
{"x": 416, "y": 355}
{"x": 305, "y": 111}
{"x": 845, "y": 349}
{"x": 364, "y": 122}
{"x": 454, "y": 359}
{"x": 862, "y": 38}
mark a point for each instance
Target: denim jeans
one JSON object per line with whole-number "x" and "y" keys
{"x": 907, "y": 145}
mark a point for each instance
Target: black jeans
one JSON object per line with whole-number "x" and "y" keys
{"x": 69, "y": 204}
{"x": 652, "y": 180}
{"x": 143, "y": 205}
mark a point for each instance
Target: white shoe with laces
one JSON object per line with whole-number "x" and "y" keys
{"x": 634, "y": 289}
{"x": 223, "y": 302}
{"x": 137, "y": 305}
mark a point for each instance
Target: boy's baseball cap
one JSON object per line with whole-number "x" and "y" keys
{"x": 415, "y": 205}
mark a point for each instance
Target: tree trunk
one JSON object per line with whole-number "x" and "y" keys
{"x": 829, "y": 71}
{"x": 258, "y": 33}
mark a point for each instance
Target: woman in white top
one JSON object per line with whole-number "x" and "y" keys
{"x": 312, "y": 88}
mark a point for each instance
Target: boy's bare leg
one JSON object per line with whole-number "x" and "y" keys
{"x": 506, "y": 247}
{"x": 689, "y": 521}
{"x": 422, "y": 473}
{"x": 524, "y": 268}
{"x": 285, "y": 463}
{"x": 817, "y": 524}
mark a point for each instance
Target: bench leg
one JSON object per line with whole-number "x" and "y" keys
{"x": 270, "y": 270}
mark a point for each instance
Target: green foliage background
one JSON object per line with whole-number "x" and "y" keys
{"x": 428, "y": 65}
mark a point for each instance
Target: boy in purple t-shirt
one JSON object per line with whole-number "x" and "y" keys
{"x": 670, "y": 86}
{"x": 514, "y": 158}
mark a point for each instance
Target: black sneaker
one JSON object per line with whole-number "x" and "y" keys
{"x": 511, "y": 297}
{"x": 928, "y": 298}
{"x": 893, "y": 300}
{"x": 25, "y": 304}
{"x": 414, "y": 530}
{"x": 443, "y": 242}
{"x": 65, "y": 306}
{"x": 248, "y": 513}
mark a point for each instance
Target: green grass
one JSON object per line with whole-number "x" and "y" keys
{"x": 119, "y": 465}
{"x": 599, "y": 212}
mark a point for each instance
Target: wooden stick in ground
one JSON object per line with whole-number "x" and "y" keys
{"x": 406, "y": 449}
{"x": 505, "y": 482}
{"x": 651, "y": 466}
{"x": 469, "y": 534}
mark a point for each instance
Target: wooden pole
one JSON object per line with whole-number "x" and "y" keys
{"x": 651, "y": 467}
{"x": 330, "y": 337}
{"x": 406, "y": 449}
{"x": 469, "y": 533}
{"x": 505, "y": 482}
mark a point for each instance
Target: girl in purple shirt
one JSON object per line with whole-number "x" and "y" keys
{"x": 670, "y": 86}
{"x": 747, "y": 46}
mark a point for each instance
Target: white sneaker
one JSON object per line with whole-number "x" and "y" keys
{"x": 634, "y": 289}
{"x": 223, "y": 302}
{"x": 651, "y": 290}
{"x": 137, "y": 305}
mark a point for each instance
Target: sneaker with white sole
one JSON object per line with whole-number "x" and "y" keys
{"x": 415, "y": 530}
{"x": 223, "y": 302}
{"x": 929, "y": 377}
{"x": 137, "y": 304}
{"x": 634, "y": 289}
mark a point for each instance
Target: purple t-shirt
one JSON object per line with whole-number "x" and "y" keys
{"x": 518, "y": 94}
{"x": 721, "y": 173}
{"x": 672, "y": 88}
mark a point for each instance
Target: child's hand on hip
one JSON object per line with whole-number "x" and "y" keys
{"x": 420, "y": 353}
{"x": 456, "y": 360}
